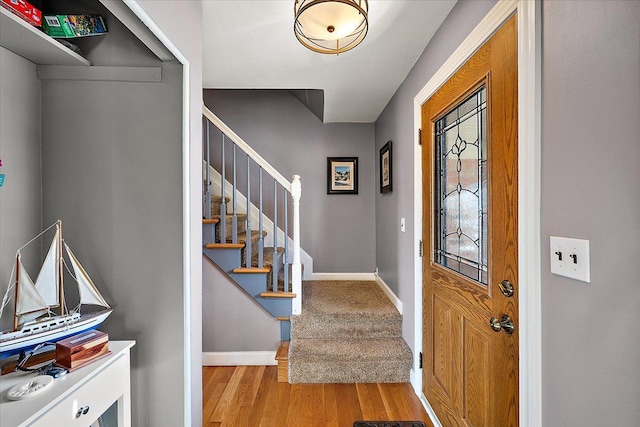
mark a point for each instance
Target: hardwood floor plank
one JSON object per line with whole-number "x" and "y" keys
{"x": 269, "y": 378}
{"x": 371, "y": 402}
{"x": 211, "y": 400}
{"x": 330, "y": 405}
{"x": 317, "y": 405}
{"x": 270, "y": 409}
{"x": 251, "y": 396}
{"x": 389, "y": 402}
{"x": 253, "y": 379}
{"x": 226, "y": 400}
{"x": 284, "y": 397}
{"x": 347, "y": 404}
{"x": 299, "y": 406}
{"x": 404, "y": 412}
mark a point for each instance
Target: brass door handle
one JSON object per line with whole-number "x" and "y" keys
{"x": 505, "y": 323}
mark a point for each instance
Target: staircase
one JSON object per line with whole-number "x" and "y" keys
{"x": 253, "y": 279}
{"x": 348, "y": 332}
{"x": 255, "y": 257}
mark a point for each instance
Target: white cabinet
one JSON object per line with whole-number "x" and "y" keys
{"x": 76, "y": 399}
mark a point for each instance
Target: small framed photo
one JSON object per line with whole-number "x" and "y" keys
{"x": 386, "y": 176}
{"x": 342, "y": 175}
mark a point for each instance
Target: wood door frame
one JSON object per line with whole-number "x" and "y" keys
{"x": 529, "y": 149}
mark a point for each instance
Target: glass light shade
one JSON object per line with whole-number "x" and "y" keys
{"x": 330, "y": 26}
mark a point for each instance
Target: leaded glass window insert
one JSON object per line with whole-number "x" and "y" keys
{"x": 460, "y": 240}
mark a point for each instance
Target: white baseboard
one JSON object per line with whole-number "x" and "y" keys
{"x": 388, "y": 292}
{"x": 239, "y": 358}
{"x": 340, "y": 276}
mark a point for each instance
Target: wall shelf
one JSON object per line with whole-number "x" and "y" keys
{"x": 27, "y": 41}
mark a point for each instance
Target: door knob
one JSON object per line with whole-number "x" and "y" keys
{"x": 505, "y": 323}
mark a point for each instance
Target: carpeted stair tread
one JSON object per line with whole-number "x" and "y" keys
{"x": 346, "y": 326}
{"x": 382, "y": 360}
{"x": 242, "y": 237}
{"x": 346, "y": 298}
{"x": 217, "y": 198}
{"x": 354, "y": 349}
{"x": 346, "y": 309}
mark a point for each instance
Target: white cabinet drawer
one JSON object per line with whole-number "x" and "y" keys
{"x": 98, "y": 394}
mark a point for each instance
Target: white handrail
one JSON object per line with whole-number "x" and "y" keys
{"x": 246, "y": 148}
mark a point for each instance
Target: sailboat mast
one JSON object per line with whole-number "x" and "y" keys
{"x": 15, "y": 299}
{"x": 60, "y": 269}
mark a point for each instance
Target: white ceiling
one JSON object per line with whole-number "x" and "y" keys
{"x": 249, "y": 44}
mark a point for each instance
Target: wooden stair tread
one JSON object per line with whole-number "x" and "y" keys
{"x": 224, "y": 245}
{"x": 283, "y": 351}
{"x": 283, "y": 319}
{"x": 210, "y": 220}
{"x": 250, "y": 270}
{"x": 278, "y": 294}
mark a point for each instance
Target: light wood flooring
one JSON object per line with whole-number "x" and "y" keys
{"x": 248, "y": 396}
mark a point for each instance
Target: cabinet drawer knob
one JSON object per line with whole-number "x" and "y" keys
{"x": 82, "y": 411}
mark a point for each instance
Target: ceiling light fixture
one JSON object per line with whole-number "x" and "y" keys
{"x": 330, "y": 26}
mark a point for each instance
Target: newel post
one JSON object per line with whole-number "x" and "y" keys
{"x": 296, "y": 274}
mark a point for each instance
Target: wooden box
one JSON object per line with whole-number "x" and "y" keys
{"x": 80, "y": 349}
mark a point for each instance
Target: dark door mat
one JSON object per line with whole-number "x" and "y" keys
{"x": 388, "y": 424}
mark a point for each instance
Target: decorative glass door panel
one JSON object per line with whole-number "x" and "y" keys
{"x": 460, "y": 240}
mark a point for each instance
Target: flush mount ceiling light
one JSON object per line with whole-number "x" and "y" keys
{"x": 330, "y": 26}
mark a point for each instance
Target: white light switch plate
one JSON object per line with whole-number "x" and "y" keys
{"x": 402, "y": 225}
{"x": 570, "y": 258}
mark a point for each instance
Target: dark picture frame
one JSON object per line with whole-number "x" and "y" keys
{"x": 342, "y": 175}
{"x": 386, "y": 169}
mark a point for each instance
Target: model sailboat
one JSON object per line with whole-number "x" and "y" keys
{"x": 34, "y": 318}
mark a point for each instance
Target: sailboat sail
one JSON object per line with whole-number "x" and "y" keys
{"x": 28, "y": 300}
{"x": 88, "y": 292}
{"x": 47, "y": 281}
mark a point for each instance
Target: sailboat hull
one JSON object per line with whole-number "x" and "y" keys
{"x": 51, "y": 330}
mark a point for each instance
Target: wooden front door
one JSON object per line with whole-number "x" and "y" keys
{"x": 470, "y": 223}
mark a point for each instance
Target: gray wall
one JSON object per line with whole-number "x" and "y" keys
{"x": 394, "y": 249}
{"x": 181, "y": 22}
{"x": 590, "y": 190}
{"x": 338, "y": 231}
{"x": 21, "y": 195}
{"x": 232, "y": 320}
{"x": 590, "y": 181}
{"x": 122, "y": 214}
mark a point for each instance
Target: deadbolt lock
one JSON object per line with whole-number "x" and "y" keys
{"x": 506, "y": 287}
{"x": 505, "y": 323}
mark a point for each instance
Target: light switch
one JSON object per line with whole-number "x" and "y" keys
{"x": 570, "y": 258}
{"x": 402, "y": 225}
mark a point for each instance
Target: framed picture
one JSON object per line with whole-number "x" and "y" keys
{"x": 342, "y": 175}
{"x": 386, "y": 176}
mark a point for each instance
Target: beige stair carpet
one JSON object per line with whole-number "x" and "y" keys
{"x": 348, "y": 332}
